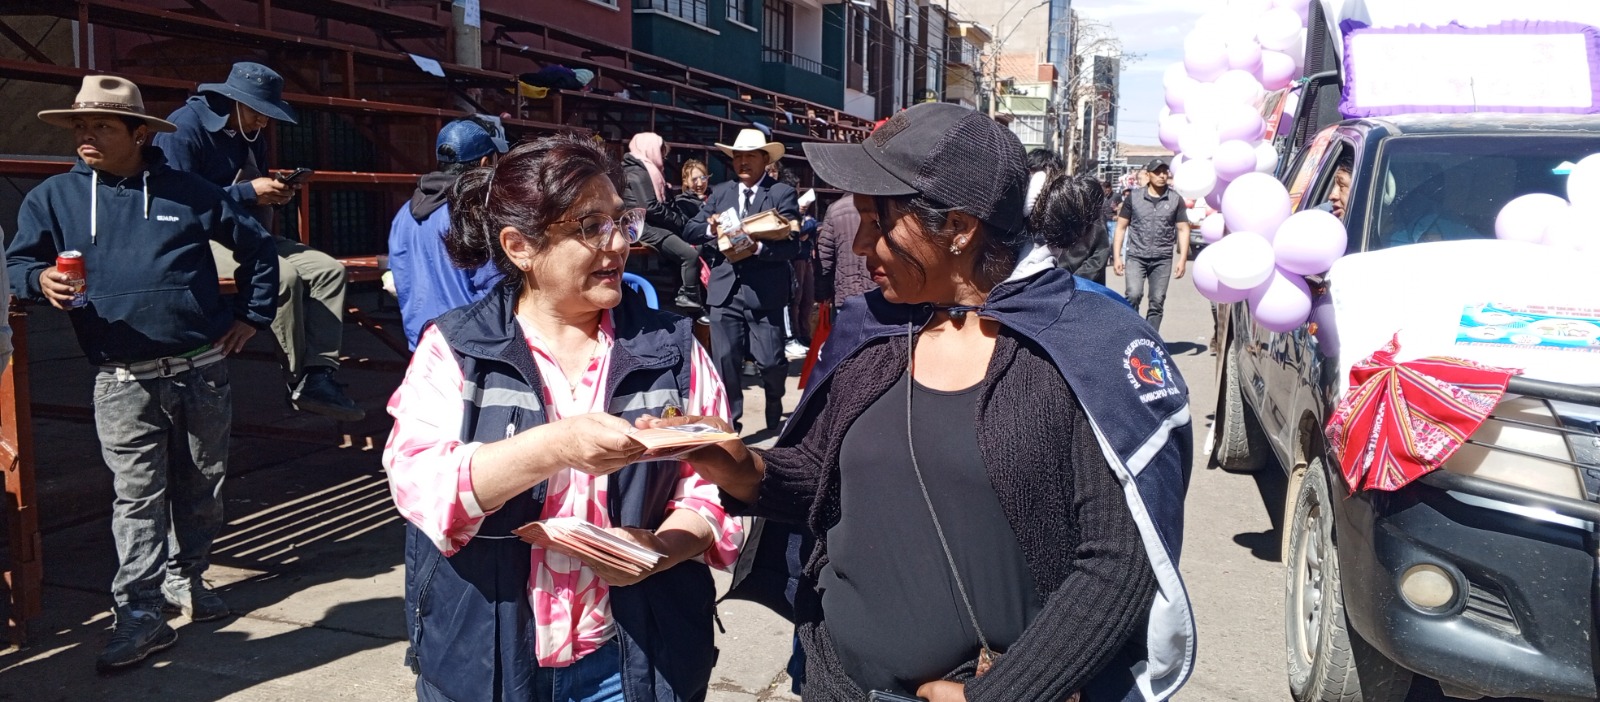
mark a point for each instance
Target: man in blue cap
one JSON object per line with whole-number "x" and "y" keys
{"x": 426, "y": 282}
{"x": 219, "y": 139}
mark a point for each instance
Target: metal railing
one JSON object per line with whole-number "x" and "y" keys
{"x": 800, "y": 62}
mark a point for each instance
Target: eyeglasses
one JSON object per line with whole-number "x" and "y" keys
{"x": 698, "y": 179}
{"x": 596, "y": 229}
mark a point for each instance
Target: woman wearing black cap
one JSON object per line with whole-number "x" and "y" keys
{"x": 994, "y": 460}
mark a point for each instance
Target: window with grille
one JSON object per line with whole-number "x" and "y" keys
{"x": 739, "y": 11}
{"x": 1028, "y": 128}
{"x": 777, "y": 28}
{"x": 691, "y": 10}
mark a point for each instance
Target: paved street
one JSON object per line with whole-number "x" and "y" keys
{"x": 312, "y": 558}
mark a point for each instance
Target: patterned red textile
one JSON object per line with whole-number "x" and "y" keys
{"x": 1400, "y": 421}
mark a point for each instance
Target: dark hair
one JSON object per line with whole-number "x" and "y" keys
{"x": 1042, "y": 160}
{"x": 1067, "y": 209}
{"x": 132, "y": 123}
{"x": 1345, "y": 162}
{"x": 995, "y": 260}
{"x": 529, "y": 188}
{"x": 457, "y": 168}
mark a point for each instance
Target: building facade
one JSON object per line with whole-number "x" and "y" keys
{"x": 780, "y": 45}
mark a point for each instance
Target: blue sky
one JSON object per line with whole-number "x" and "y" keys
{"x": 1154, "y": 28}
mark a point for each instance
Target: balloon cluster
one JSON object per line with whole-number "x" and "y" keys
{"x": 1267, "y": 253}
{"x": 1541, "y": 218}
{"x": 1233, "y": 58}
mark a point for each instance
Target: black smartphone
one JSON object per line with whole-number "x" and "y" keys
{"x": 881, "y": 696}
{"x": 296, "y": 177}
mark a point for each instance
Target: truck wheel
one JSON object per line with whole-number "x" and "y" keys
{"x": 1328, "y": 662}
{"x": 1241, "y": 446}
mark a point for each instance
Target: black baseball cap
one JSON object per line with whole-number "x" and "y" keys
{"x": 955, "y": 156}
{"x": 1157, "y": 164}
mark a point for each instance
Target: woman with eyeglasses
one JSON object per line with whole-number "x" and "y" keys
{"x": 517, "y": 409}
{"x": 696, "y": 183}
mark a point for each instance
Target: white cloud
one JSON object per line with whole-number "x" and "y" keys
{"x": 1154, "y": 29}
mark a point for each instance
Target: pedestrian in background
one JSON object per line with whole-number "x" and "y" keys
{"x": 748, "y": 297}
{"x": 1070, "y": 208}
{"x": 971, "y": 430}
{"x": 696, "y": 184}
{"x": 426, "y": 281}
{"x": 541, "y": 362}
{"x": 154, "y": 321}
{"x": 1152, "y": 224}
{"x": 218, "y": 137}
{"x": 645, "y": 187}
{"x": 841, "y": 272}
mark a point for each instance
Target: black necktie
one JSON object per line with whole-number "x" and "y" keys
{"x": 749, "y": 199}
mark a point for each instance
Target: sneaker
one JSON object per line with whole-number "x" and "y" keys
{"x": 686, "y": 302}
{"x": 795, "y": 350}
{"x": 197, "y": 602}
{"x": 320, "y": 394}
{"x": 750, "y": 369}
{"x": 137, "y": 635}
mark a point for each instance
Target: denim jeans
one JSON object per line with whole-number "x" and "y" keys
{"x": 1158, "y": 273}
{"x": 166, "y": 443}
{"x": 596, "y": 677}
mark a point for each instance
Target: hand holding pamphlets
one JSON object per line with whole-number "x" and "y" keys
{"x": 668, "y": 442}
{"x": 580, "y": 539}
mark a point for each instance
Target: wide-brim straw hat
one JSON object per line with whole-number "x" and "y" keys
{"x": 106, "y": 95}
{"x": 753, "y": 140}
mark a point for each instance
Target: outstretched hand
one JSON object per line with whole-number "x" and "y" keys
{"x": 728, "y": 463}
{"x": 597, "y": 444}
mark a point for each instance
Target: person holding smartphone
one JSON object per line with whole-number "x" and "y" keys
{"x": 219, "y": 138}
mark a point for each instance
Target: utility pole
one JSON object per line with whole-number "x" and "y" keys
{"x": 466, "y": 25}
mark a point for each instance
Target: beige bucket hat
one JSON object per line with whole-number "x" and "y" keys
{"x": 753, "y": 140}
{"x": 106, "y": 95}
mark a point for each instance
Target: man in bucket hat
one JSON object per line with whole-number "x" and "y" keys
{"x": 426, "y": 282}
{"x": 747, "y": 298}
{"x": 218, "y": 137}
{"x": 155, "y": 323}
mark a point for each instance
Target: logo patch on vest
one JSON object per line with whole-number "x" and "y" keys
{"x": 166, "y": 218}
{"x": 1148, "y": 370}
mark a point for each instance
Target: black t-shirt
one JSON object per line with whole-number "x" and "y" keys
{"x": 892, "y": 607}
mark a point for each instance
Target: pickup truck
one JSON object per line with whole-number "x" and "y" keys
{"x": 1483, "y": 580}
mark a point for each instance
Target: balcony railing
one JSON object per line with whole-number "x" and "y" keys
{"x": 800, "y": 62}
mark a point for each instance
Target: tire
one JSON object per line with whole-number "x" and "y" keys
{"x": 1241, "y": 444}
{"x": 1327, "y": 661}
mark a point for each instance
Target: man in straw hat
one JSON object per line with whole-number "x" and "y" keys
{"x": 156, "y": 324}
{"x": 747, "y": 297}
{"x": 219, "y": 137}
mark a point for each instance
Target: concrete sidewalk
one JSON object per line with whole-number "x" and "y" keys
{"x": 311, "y": 558}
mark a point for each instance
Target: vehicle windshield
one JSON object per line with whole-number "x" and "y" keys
{"x": 1449, "y": 188}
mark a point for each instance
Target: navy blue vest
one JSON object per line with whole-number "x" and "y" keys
{"x": 471, "y": 629}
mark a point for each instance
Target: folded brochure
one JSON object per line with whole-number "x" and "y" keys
{"x": 580, "y": 538}
{"x": 666, "y": 442}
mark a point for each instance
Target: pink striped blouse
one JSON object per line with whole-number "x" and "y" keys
{"x": 430, "y": 477}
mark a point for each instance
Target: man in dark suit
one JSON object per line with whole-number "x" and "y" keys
{"x": 747, "y": 298}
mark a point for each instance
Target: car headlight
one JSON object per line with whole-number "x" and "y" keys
{"x": 1523, "y": 471}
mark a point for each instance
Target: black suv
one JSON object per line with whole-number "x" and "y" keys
{"x": 1487, "y": 583}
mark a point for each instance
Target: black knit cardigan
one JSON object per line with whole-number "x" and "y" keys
{"x": 1062, "y": 500}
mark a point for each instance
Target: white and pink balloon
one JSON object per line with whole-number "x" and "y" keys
{"x": 1258, "y": 254}
{"x": 1266, "y": 253}
{"x": 1566, "y": 223}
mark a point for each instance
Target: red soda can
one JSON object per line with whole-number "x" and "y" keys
{"x": 70, "y": 264}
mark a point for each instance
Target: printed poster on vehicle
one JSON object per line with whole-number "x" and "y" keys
{"x": 1530, "y": 327}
